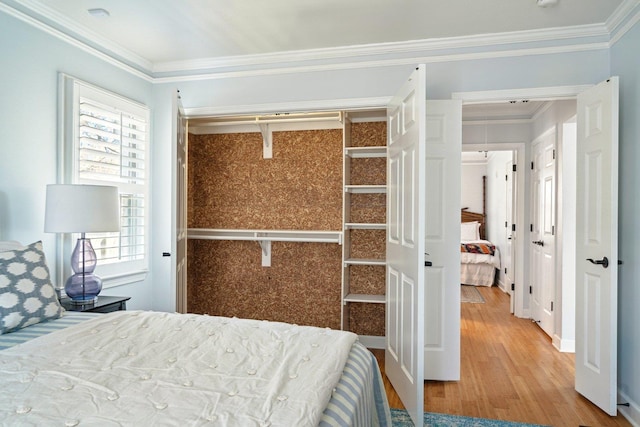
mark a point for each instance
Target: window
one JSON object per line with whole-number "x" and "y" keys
{"x": 105, "y": 142}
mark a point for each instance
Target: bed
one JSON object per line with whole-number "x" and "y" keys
{"x": 479, "y": 258}
{"x": 156, "y": 368}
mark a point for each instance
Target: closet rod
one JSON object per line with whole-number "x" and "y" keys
{"x": 259, "y": 120}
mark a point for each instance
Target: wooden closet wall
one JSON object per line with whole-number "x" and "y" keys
{"x": 232, "y": 187}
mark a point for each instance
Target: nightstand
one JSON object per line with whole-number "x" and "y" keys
{"x": 104, "y": 304}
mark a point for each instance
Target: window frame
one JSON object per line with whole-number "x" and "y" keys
{"x": 70, "y": 90}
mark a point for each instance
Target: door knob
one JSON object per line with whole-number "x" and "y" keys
{"x": 538, "y": 242}
{"x": 604, "y": 262}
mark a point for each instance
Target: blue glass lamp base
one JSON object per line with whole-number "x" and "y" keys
{"x": 80, "y": 292}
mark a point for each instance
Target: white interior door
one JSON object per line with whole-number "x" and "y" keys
{"x": 442, "y": 279}
{"x": 508, "y": 260}
{"x": 404, "y": 349}
{"x": 180, "y": 203}
{"x": 536, "y": 275}
{"x": 597, "y": 245}
{"x": 544, "y": 219}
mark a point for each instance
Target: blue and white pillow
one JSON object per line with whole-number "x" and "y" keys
{"x": 27, "y": 296}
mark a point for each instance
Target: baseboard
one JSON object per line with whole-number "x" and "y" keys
{"x": 371, "y": 341}
{"x": 631, "y": 412}
{"x": 564, "y": 346}
{"x": 503, "y": 287}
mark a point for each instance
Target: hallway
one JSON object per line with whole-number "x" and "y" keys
{"x": 510, "y": 371}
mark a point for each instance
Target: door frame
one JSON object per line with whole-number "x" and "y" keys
{"x": 551, "y": 93}
{"x": 522, "y": 233}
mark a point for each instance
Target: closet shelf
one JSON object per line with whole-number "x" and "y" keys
{"x": 364, "y": 261}
{"x": 366, "y": 152}
{"x": 364, "y": 226}
{"x": 380, "y": 299}
{"x": 307, "y": 236}
{"x": 368, "y": 189}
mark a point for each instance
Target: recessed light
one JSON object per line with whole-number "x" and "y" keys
{"x": 545, "y": 3}
{"x": 99, "y": 13}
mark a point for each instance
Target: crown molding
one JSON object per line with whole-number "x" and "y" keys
{"x": 407, "y": 61}
{"x": 67, "y": 26}
{"x": 623, "y": 19}
{"x": 621, "y": 13}
{"x": 422, "y": 47}
{"x": 48, "y": 29}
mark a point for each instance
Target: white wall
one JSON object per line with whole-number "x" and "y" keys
{"x": 31, "y": 62}
{"x": 471, "y": 194}
{"x": 626, "y": 64}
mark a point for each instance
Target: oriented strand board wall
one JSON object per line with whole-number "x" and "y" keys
{"x": 231, "y": 186}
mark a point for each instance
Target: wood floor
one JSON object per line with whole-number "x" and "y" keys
{"x": 509, "y": 371}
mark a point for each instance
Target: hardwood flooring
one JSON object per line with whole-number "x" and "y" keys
{"x": 509, "y": 371}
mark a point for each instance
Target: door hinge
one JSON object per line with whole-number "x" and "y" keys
{"x": 551, "y": 305}
{"x": 506, "y": 224}
{"x": 553, "y": 230}
{"x": 513, "y": 286}
{"x": 505, "y": 270}
{"x": 506, "y": 177}
{"x": 513, "y": 227}
{"x": 554, "y": 154}
{"x": 530, "y": 227}
{"x": 531, "y": 165}
{"x": 530, "y": 289}
{"x": 514, "y": 168}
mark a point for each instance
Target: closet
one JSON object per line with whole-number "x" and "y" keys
{"x": 287, "y": 218}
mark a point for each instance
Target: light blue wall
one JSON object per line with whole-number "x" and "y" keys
{"x": 31, "y": 61}
{"x": 625, "y": 62}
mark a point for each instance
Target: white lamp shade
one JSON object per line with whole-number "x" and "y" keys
{"x": 74, "y": 208}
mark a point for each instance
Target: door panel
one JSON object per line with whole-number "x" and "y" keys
{"x": 543, "y": 219}
{"x": 597, "y": 238}
{"x": 442, "y": 279}
{"x": 404, "y": 355}
{"x": 509, "y": 264}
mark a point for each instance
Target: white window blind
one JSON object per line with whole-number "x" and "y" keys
{"x": 111, "y": 149}
{"x": 107, "y": 144}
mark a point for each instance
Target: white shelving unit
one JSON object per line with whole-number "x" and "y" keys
{"x": 348, "y": 296}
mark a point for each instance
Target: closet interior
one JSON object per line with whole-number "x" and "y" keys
{"x": 287, "y": 218}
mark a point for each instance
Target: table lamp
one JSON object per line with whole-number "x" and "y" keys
{"x": 76, "y": 208}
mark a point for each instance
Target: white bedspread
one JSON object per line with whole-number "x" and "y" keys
{"x": 147, "y": 368}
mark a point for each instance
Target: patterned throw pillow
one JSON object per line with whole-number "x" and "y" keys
{"x": 27, "y": 296}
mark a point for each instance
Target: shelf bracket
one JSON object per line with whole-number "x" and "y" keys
{"x": 265, "y": 245}
{"x": 267, "y": 140}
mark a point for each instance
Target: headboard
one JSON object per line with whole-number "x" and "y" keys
{"x": 466, "y": 216}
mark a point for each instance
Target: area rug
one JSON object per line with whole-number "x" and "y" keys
{"x": 400, "y": 418}
{"x": 470, "y": 294}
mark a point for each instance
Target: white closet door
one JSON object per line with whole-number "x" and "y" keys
{"x": 597, "y": 245}
{"x": 442, "y": 240}
{"x": 404, "y": 350}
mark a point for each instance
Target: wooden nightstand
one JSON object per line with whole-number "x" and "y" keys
{"x": 104, "y": 304}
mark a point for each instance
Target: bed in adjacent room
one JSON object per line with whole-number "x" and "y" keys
{"x": 155, "y": 368}
{"x": 479, "y": 258}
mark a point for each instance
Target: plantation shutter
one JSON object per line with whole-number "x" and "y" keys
{"x": 111, "y": 150}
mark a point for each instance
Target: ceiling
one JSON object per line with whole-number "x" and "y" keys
{"x": 158, "y": 32}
